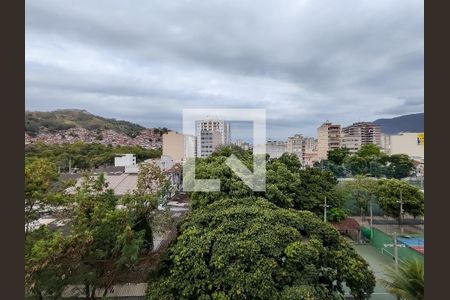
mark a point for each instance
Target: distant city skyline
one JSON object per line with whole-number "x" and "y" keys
{"x": 302, "y": 61}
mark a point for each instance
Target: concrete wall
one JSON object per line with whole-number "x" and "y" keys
{"x": 173, "y": 145}
{"x": 409, "y": 143}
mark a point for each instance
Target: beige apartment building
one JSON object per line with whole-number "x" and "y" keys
{"x": 295, "y": 145}
{"x": 328, "y": 138}
{"x": 351, "y": 143}
{"x": 178, "y": 146}
{"x": 360, "y": 133}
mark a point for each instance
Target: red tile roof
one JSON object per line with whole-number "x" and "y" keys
{"x": 347, "y": 224}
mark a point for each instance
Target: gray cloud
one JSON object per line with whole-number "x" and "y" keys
{"x": 304, "y": 61}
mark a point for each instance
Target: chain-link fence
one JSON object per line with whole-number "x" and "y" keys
{"x": 384, "y": 243}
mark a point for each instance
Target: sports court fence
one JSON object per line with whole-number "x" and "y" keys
{"x": 385, "y": 244}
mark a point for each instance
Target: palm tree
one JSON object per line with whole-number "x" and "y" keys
{"x": 408, "y": 282}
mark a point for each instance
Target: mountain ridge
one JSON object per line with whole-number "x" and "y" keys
{"x": 404, "y": 123}
{"x": 63, "y": 119}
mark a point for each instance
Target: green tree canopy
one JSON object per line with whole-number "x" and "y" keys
{"x": 286, "y": 184}
{"x": 370, "y": 151}
{"x": 40, "y": 188}
{"x": 389, "y": 192}
{"x": 400, "y": 165}
{"x": 251, "y": 249}
{"x": 338, "y": 155}
{"x": 84, "y": 156}
{"x": 369, "y": 160}
{"x": 361, "y": 190}
{"x": 102, "y": 240}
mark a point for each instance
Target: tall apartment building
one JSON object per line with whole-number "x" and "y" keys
{"x": 328, "y": 138}
{"x": 309, "y": 155}
{"x": 360, "y": 133}
{"x": 276, "y": 148}
{"x": 211, "y": 133}
{"x": 351, "y": 143}
{"x": 295, "y": 145}
{"x": 178, "y": 146}
{"x": 309, "y": 144}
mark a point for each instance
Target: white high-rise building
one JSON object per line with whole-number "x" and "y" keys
{"x": 211, "y": 133}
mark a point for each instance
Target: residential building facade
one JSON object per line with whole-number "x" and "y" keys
{"x": 178, "y": 146}
{"x": 295, "y": 145}
{"x": 211, "y": 133}
{"x": 359, "y": 134}
{"x": 276, "y": 148}
{"x": 328, "y": 138}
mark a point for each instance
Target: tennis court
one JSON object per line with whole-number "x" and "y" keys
{"x": 416, "y": 243}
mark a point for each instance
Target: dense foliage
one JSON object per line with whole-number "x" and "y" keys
{"x": 70, "y": 118}
{"x": 287, "y": 185}
{"x": 251, "y": 249}
{"x": 385, "y": 194}
{"x": 369, "y": 160}
{"x": 389, "y": 193}
{"x": 84, "y": 156}
{"x": 105, "y": 237}
{"x": 41, "y": 189}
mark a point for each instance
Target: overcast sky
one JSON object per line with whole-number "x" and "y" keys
{"x": 303, "y": 61}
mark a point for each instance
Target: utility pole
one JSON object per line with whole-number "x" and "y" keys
{"x": 395, "y": 252}
{"x": 401, "y": 211}
{"x": 70, "y": 165}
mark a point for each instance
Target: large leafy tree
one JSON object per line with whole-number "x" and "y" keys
{"x": 315, "y": 185}
{"x": 371, "y": 151}
{"x": 359, "y": 191}
{"x": 286, "y": 184}
{"x": 291, "y": 161}
{"x": 214, "y": 167}
{"x": 389, "y": 192}
{"x": 251, "y": 249}
{"x": 40, "y": 188}
{"x": 106, "y": 237}
{"x": 338, "y": 155}
{"x": 408, "y": 282}
{"x": 400, "y": 165}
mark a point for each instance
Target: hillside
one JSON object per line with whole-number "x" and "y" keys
{"x": 74, "y": 125}
{"x": 406, "y": 123}
{"x": 54, "y": 121}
